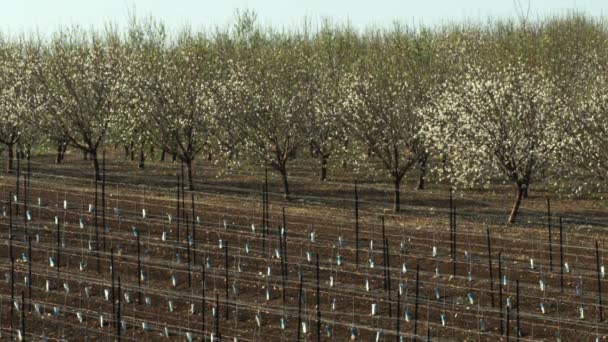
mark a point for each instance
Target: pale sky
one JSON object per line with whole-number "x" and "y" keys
{"x": 45, "y": 16}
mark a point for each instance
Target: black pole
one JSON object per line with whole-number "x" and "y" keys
{"x": 561, "y": 255}
{"x": 112, "y": 282}
{"x": 183, "y": 198}
{"x": 227, "y": 280}
{"x": 263, "y": 206}
{"x": 416, "y": 301}
{"x": 356, "y": 226}
{"x": 96, "y": 223}
{"x": 139, "y": 268}
{"x": 58, "y": 247}
{"x": 10, "y": 226}
{"x": 282, "y": 261}
{"x": 177, "y": 210}
{"x": 118, "y": 323}
{"x": 300, "y": 306}
{"x": 500, "y": 292}
{"x": 507, "y": 323}
{"x": 17, "y": 184}
{"x": 385, "y": 270}
{"x": 12, "y": 292}
{"x": 285, "y": 241}
{"x": 103, "y": 199}
{"x": 285, "y": 253}
{"x": 550, "y": 235}
{"x": 267, "y": 226}
{"x": 599, "y": 280}
{"x": 193, "y": 230}
{"x": 203, "y": 300}
{"x": 490, "y": 266}
{"x": 451, "y": 214}
{"x": 25, "y": 196}
{"x": 398, "y": 330}
{"x": 217, "y": 314}
{"x": 454, "y": 241}
{"x": 29, "y": 271}
{"x": 263, "y": 218}
{"x": 318, "y": 303}
{"x": 23, "y": 315}
{"x": 517, "y": 311}
{"x": 29, "y": 176}
{"x": 388, "y": 280}
{"x": 266, "y": 210}
{"x": 188, "y": 237}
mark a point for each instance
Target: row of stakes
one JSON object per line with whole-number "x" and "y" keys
{"x": 313, "y": 239}
{"x": 339, "y": 261}
{"x": 407, "y": 314}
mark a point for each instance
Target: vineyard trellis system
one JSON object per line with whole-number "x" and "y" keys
{"x": 286, "y": 270}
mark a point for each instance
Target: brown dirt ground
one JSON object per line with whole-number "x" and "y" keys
{"x": 324, "y": 208}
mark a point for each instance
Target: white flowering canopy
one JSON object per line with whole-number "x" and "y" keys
{"x": 588, "y": 125}
{"x": 267, "y": 100}
{"x": 18, "y": 97}
{"x": 383, "y": 96}
{"x": 78, "y": 77}
{"x": 11, "y": 104}
{"x": 503, "y": 124}
{"x": 334, "y": 50}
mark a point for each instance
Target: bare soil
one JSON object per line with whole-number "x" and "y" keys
{"x": 228, "y": 205}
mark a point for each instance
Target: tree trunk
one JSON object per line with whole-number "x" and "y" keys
{"x": 323, "y": 168}
{"x": 142, "y": 157}
{"x": 85, "y": 155}
{"x": 421, "y": 182}
{"x": 188, "y": 163}
{"x": 283, "y": 171}
{"x": 344, "y": 163}
{"x": 9, "y": 162}
{"x": 173, "y": 157}
{"x": 132, "y": 150}
{"x": 64, "y": 148}
{"x": 96, "y": 165}
{"x": 126, "y": 149}
{"x": 517, "y": 203}
{"x": 526, "y": 191}
{"x": 162, "y": 155}
{"x": 397, "y": 196}
{"x": 59, "y": 156}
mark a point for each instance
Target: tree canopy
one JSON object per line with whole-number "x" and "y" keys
{"x": 515, "y": 102}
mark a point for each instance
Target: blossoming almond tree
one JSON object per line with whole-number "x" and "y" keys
{"x": 498, "y": 123}
{"x": 269, "y": 97}
{"x": 144, "y": 42}
{"x": 178, "y": 100}
{"x": 78, "y": 77}
{"x": 19, "y": 99}
{"x": 587, "y": 143}
{"x": 382, "y": 102}
{"x": 334, "y": 50}
{"x": 12, "y": 105}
